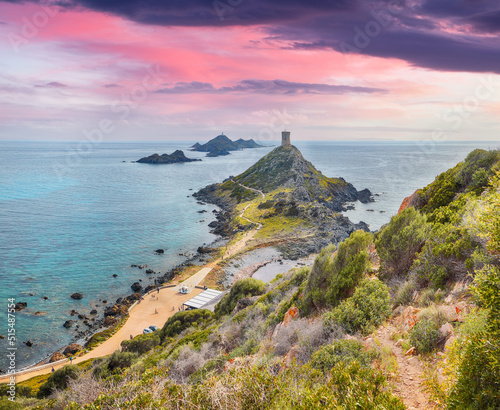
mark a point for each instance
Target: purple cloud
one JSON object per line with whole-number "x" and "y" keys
{"x": 267, "y": 87}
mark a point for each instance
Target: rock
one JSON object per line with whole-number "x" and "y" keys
{"x": 29, "y": 343}
{"x": 72, "y": 349}
{"x": 292, "y": 313}
{"x": 449, "y": 342}
{"x": 110, "y": 321}
{"x": 410, "y": 317}
{"x": 136, "y": 287}
{"x": 40, "y": 313}
{"x": 411, "y": 351}
{"x": 410, "y": 201}
{"x": 2, "y": 337}
{"x": 115, "y": 275}
{"x": 203, "y": 249}
{"x": 149, "y": 271}
{"x": 81, "y": 317}
{"x": 446, "y": 330}
{"x": 160, "y": 251}
{"x": 44, "y": 297}
{"x": 31, "y": 294}
{"x": 77, "y": 296}
{"x": 68, "y": 324}
{"x": 291, "y": 356}
{"x": 93, "y": 312}
{"x": 20, "y": 306}
{"x": 175, "y": 157}
{"x": 56, "y": 357}
{"x": 399, "y": 343}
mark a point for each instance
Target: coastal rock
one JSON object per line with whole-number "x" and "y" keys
{"x": 68, "y": 324}
{"x": 29, "y": 343}
{"x": 116, "y": 310}
{"x": 72, "y": 349}
{"x": 40, "y": 313}
{"x": 20, "y": 306}
{"x": 175, "y": 157}
{"x": 44, "y": 297}
{"x": 56, "y": 357}
{"x": 77, "y": 296}
{"x": 160, "y": 251}
{"x": 136, "y": 287}
{"x": 412, "y": 200}
{"x": 202, "y": 250}
{"x": 110, "y": 321}
{"x": 115, "y": 275}
{"x": 93, "y": 312}
{"x": 149, "y": 271}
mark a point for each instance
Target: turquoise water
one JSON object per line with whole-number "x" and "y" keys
{"x": 72, "y": 216}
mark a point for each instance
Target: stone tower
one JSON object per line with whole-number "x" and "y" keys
{"x": 285, "y": 139}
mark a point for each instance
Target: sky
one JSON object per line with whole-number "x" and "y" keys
{"x": 159, "y": 70}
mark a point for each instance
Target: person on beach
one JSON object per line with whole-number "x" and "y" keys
{"x": 71, "y": 360}
{"x": 158, "y": 289}
{"x": 156, "y": 312}
{"x": 53, "y": 370}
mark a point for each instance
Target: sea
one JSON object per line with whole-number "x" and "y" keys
{"x": 72, "y": 215}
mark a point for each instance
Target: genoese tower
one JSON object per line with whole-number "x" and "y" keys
{"x": 285, "y": 139}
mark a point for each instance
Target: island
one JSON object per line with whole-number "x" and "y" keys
{"x": 221, "y": 145}
{"x": 173, "y": 158}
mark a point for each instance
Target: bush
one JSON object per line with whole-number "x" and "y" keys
{"x": 399, "y": 242}
{"x": 364, "y": 311}
{"x": 489, "y": 218}
{"x": 241, "y": 289}
{"x": 345, "y": 351}
{"x": 334, "y": 276}
{"x": 424, "y": 336}
{"x": 58, "y": 380}
{"x": 183, "y": 320}
{"x": 142, "y": 343}
{"x": 431, "y": 296}
{"x": 404, "y": 294}
{"x": 114, "y": 364}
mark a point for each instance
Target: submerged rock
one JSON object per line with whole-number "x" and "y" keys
{"x": 77, "y": 296}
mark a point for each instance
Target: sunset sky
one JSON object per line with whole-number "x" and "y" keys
{"x": 123, "y": 70}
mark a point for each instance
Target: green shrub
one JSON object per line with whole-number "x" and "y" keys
{"x": 478, "y": 368}
{"x": 346, "y": 351}
{"x": 183, "y": 320}
{"x": 334, "y": 277}
{"x": 241, "y": 289}
{"x": 404, "y": 294}
{"x": 399, "y": 242}
{"x": 58, "y": 380}
{"x": 113, "y": 364}
{"x": 424, "y": 336}
{"x": 141, "y": 343}
{"x": 430, "y": 296}
{"x": 364, "y": 311}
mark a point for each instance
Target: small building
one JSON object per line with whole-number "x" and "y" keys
{"x": 204, "y": 298}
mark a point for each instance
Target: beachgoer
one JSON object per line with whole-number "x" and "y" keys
{"x": 156, "y": 312}
{"x": 71, "y": 359}
{"x": 158, "y": 290}
{"x": 53, "y": 370}
{"x": 131, "y": 337}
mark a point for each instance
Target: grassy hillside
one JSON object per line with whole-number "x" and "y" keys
{"x": 311, "y": 338}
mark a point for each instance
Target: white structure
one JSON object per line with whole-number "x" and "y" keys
{"x": 202, "y": 299}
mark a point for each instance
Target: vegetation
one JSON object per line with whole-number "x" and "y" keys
{"x": 364, "y": 311}
{"x": 241, "y": 289}
{"x": 58, "y": 380}
{"x": 183, "y": 320}
{"x": 400, "y": 241}
{"x": 334, "y": 275}
{"x": 141, "y": 343}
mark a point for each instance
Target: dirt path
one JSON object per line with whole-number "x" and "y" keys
{"x": 409, "y": 384}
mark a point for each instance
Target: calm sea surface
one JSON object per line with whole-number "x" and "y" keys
{"x": 70, "y": 217}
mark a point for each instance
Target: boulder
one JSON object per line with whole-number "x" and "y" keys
{"x": 77, "y": 296}
{"x": 149, "y": 271}
{"x": 29, "y": 343}
{"x": 292, "y": 313}
{"x": 115, "y": 275}
{"x": 411, "y": 351}
{"x": 68, "y": 324}
{"x": 446, "y": 331}
{"x": 93, "y": 312}
{"x": 20, "y": 306}
{"x": 160, "y": 251}
{"x": 56, "y": 357}
{"x": 136, "y": 287}
{"x": 110, "y": 321}
{"x": 40, "y": 313}
{"x": 72, "y": 349}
